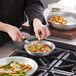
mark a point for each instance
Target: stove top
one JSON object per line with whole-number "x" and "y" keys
{"x": 61, "y": 62}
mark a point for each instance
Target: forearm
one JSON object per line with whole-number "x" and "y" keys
{"x": 3, "y": 26}
{"x": 36, "y": 21}
{"x": 12, "y": 31}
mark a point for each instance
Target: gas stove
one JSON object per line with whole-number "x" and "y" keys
{"x": 61, "y": 61}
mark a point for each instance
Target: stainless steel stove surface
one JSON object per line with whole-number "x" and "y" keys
{"x": 61, "y": 62}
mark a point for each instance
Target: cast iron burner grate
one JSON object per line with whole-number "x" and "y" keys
{"x": 71, "y": 56}
{"x": 45, "y": 63}
{"x": 49, "y": 73}
{"x": 67, "y": 65}
{"x": 60, "y": 62}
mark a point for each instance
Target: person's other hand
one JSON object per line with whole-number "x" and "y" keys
{"x": 41, "y": 31}
{"x": 14, "y": 33}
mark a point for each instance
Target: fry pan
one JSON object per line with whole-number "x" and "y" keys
{"x": 70, "y": 17}
{"x": 27, "y": 44}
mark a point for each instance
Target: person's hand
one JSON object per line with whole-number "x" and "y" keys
{"x": 14, "y": 33}
{"x": 41, "y": 31}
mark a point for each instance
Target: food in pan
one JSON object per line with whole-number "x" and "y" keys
{"x": 40, "y": 48}
{"x": 58, "y": 20}
{"x": 15, "y": 69}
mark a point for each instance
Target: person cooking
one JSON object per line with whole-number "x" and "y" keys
{"x": 13, "y": 13}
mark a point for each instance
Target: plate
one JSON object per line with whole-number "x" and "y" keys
{"x": 19, "y": 59}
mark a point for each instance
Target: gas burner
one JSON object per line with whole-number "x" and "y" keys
{"x": 44, "y": 62}
{"x": 58, "y": 53}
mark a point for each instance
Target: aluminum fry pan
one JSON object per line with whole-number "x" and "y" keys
{"x": 39, "y": 54}
{"x": 70, "y": 17}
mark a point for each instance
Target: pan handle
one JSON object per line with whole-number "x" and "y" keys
{"x": 25, "y": 41}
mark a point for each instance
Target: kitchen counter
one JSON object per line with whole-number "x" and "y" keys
{"x": 62, "y": 40}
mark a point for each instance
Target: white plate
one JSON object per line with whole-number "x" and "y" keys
{"x": 19, "y": 59}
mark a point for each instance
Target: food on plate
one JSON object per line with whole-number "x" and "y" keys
{"x": 15, "y": 69}
{"x": 58, "y": 20}
{"x": 39, "y": 48}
